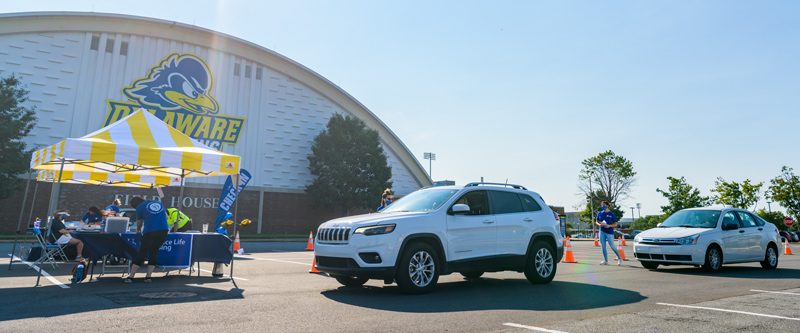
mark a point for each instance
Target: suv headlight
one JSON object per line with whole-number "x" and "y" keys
{"x": 691, "y": 240}
{"x": 375, "y": 230}
{"x": 637, "y": 239}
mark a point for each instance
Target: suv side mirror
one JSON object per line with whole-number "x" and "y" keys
{"x": 658, "y": 225}
{"x": 730, "y": 226}
{"x": 460, "y": 209}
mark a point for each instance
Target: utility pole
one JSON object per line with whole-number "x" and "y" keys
{"x": 639, "y": 209}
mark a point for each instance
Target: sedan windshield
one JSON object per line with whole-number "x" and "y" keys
{"x": 420, "y": 201}
{"x": 692, "y": 219}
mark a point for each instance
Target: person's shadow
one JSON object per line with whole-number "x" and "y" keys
{"x": 488, "y": 294}
{"x": 109, "y": 293}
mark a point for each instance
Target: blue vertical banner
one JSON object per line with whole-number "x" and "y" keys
{"x": 229, "y": 195}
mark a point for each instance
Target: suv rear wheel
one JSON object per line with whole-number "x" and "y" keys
{"x": 541, "y": 264}
{"x": 418, "y": 269}
{"x": 351, "y": 281}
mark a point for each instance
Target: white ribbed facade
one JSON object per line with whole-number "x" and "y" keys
{"x": 72, "y": 74}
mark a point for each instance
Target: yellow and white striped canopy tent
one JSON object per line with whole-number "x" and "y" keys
{"x": 107, "y": 179}
{"x": 139, "y": 144}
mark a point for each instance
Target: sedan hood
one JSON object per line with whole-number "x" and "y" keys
{"x": 676, "y": 232}
{"x": 369, "y": 219}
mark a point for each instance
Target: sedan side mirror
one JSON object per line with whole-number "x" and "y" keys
{"x": 730, "y": 226}
{"x": 658, "y": 225}
{"x": 460, "y": 209}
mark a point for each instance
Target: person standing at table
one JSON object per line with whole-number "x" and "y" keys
{"x": 113, "y": 208}
{"x": 93, "y": 216}
{"x": 174, "y": 215}
{"x": 154, "y": 233}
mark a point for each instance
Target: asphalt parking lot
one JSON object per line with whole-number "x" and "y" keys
{"x": 279, "y": 295}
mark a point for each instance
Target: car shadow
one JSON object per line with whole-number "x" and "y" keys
{"x": 109, "y": 293}
{"x": 487, "y": 294}
{"x": 740, "y": 272}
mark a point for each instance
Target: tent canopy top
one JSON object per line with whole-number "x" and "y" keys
{"x": 139, "y": 144}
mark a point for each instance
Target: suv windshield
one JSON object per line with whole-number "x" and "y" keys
{"x": 692, "y": 219}
{"x": 420, "y": 201}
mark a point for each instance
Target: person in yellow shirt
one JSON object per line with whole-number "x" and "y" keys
{"x": 184, "y": 224}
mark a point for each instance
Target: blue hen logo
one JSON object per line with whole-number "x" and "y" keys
{"x": 179, "y": 81}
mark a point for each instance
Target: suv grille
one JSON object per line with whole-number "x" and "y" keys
{"x": 333, "y": 235}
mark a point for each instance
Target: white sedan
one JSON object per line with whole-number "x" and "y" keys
{"x": 709, "y": 237}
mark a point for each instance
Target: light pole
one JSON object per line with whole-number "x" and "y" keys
{"x": 430, "y": 157}
{"x": 639, "y": 209}
{"x": 633, "y": 217}
{"x": 769, "y": 203}
{"x": 591, "y": 202}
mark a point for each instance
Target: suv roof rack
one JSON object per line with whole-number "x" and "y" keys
{"x": 518, "y": 187}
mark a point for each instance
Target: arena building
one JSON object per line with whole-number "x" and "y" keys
{"x": 87, "y": 70}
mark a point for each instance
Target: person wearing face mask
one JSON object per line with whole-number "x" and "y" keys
{"x": 386, "y": 199}
{"x": 607, "y": 221}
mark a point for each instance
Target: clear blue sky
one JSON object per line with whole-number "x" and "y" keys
{"x": 526, "y": 90}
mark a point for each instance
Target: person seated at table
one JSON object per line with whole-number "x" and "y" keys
{"x": 60, "y": 235}
{"x": 154, "y": 233}
{"x": 113, "y": 208}
{"x": 173, "y": 214}
{"x": 93, "y": 216}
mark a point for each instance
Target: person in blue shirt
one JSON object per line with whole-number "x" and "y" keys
{"x": 607, "y": 221}
{"x": 154, "y": 233}
{"x": 113, "y": 208}
{"x": 93, "y": 216}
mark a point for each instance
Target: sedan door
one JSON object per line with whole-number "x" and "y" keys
{"x": 733, "y": 241}
{"x": 752, "y": 247}
{"x": 472, "y": 235}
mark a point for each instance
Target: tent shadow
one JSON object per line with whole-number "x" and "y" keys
{"x": 109, "y": 293}
{"x": 488, "y": 294}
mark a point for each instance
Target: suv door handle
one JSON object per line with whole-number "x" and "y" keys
{"x": 488, "y": 222}
{"x": 760, "y": 229}
{"x": 528, "y": 219}
{"x": 741, "y": 231}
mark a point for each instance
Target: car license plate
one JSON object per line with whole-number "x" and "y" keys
{"x": 655, "y": 250}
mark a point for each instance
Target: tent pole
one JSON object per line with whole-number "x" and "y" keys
{"x": 235, "y": 206}
{"x": 55, "y": 192}
{"x": 33, "y": 200}
{"x": 180, "y": 200}
{"x": 19, "y": 222}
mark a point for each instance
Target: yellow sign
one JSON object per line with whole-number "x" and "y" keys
{"x": 178, "y": 91}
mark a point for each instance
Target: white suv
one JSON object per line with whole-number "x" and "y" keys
{"x": 709, "y": 237}
{"x": 477, "y": 228}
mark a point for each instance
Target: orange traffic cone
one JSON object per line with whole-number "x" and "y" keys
{"x": 237, "y": 245}
{"x": 623, "y": 240}
{"x": 314, "y": 266}
{"x": 596, "y": 242}
{"x": 569, "y": 257}
{"x": 786, "y": 249}
{"x": 310, "y": 244}
{"x": 621, "y": 251}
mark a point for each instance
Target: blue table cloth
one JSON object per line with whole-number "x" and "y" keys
{"x": 204, "y": 247}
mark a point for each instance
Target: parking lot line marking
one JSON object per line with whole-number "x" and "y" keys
{"x": 532, "y": 328}
{"x": 225, "y": 275}
{"x": 731, "y": 311}
{"x": 775, "y": 292}
{"x": 44, "y": 273}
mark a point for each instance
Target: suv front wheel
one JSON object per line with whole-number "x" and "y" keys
{"x": 418, "y": 269}
{"x": 540, "y": 267}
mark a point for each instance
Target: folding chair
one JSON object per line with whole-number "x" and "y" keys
{"x": 49, "y": 250}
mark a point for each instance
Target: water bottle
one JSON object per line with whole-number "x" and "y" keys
{"x": 78, "y": 274}
{"x": 37, "y": 224}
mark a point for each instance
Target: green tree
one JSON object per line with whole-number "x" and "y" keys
{"x": 681, "y": 195}
{"x": 349, "y": 166}
{"x": 609, "y": 173}
{"x": 744, "y": 195}
{"x": 775, "y": 218}
{"x": 16, "y": 121}
{"x": 785, "y": 189}
{"x": 648, "y": 222}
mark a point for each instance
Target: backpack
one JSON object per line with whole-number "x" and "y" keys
{"x": 79, "y": 271}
